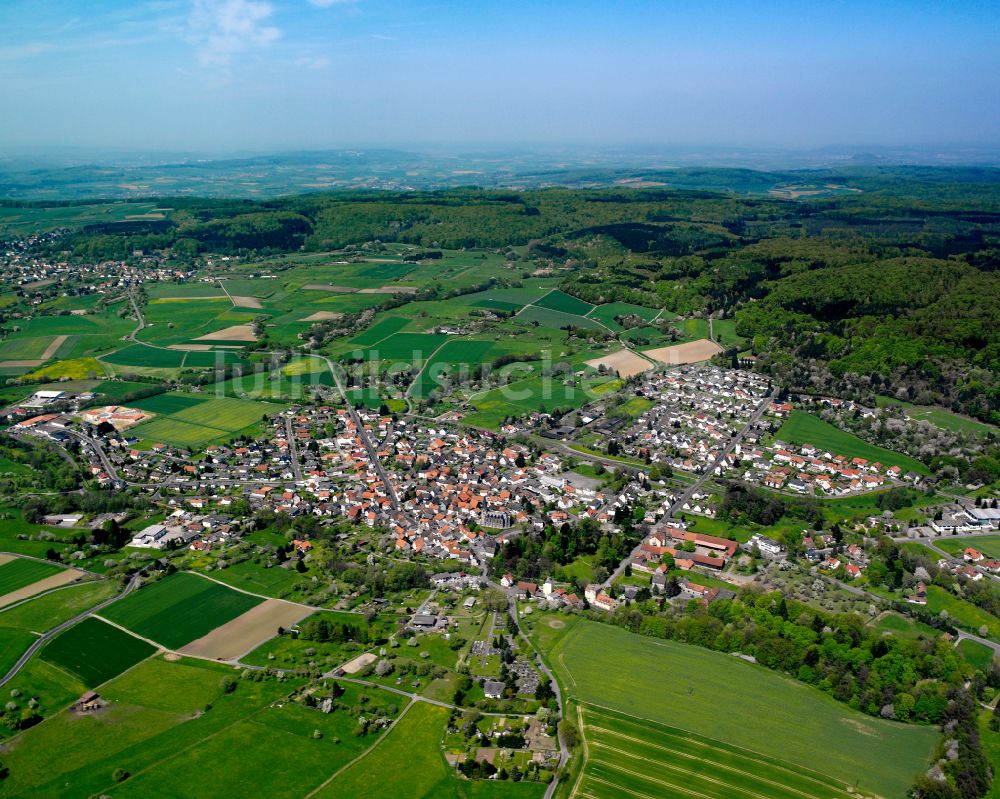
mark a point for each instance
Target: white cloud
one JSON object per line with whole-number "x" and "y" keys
{"x": 222, "y": 29}
{"x": 319, "y": 62}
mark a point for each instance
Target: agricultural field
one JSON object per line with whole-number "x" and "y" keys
{"x": 782, "y": 720}
{"x": 690, "y": 352}
{"x": 560, "y": 301}
{"x": 408, "y": 764}
{"x": 247, "y": 631}
{"x": 170, "y": 724}
{"x": 95, "y": 651}
{"x": 179, "y": 609}
{"x": 804, "y": 428}
{"x": 13, "y": 644}
{"x": 21, "y": 578}
{"x": 147, "y": 357}
{"x": 556, "y": 319}
{"x": 45, "y": 612}
{"x": 635, "y": 756}
{"x": 192, "y": 421}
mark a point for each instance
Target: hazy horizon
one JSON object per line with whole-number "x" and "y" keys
{"x": 231, "y": 76}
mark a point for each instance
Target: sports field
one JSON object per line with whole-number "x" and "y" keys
{"x": 804, "y": 428}
{"x": 719, "y": 697}
{"x": 179, "y": 609}
{"x": 631, "y": 755}
{"x": 95, "y": 651}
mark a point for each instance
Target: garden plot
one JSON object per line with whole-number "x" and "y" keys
{"x": 247, "y": 632}
{"x": 625, "y": 362}
{"x": 692, "y": 352}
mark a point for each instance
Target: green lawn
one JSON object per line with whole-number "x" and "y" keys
{"x": 777, "y": 716}
{"x": 408, "y": 764}
{"x": 804, "y": 428}
{"x": 95, "y": 651}
{"x": 22, "y": 572}
{"x": 179, "y": 609}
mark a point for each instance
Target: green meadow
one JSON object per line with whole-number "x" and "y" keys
{"x": 669, "y": 683}
{"x": 805, "y": 428}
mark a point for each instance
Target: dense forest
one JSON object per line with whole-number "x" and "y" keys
{"x": 893, "y": 288}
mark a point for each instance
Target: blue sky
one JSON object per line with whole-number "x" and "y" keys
{"x": 269, "y": 74}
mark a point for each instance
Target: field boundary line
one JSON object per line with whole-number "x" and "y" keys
{"x": 664, "y": 783}
{"x": 819, "y": 776}
{"x": 687, "y": 772}
{"x": 688, "y": 756}
{"x": 360, "y": 757}
{"x": 20, "y": 602}
{"x": 636, "y": 793}
{"x": 586, "y": 751}
{"x": 160, "y": 647}
{"x": 277, "y": 599}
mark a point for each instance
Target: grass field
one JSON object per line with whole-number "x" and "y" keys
{"x": 141, "y": 355}
{"x": 13, "y": 644}
{"x": 45, "y": 612}
{"x": 962, "y": 613}
{"x": 275, "y": 581}
{"x": 408, "y": 764}
{"x": 804, "y": 428}
{"x": 606, "y": 313}
{"x": 989, "y": 545}
{"x": 383, "y": 328}
{"x": 773, "y": 715}
{"x": 161, "y": 716}
{"x": 979, "y": 656}
{"x": 556, "y": 319}
{"x": 189, "y": 421}
{"x": 178, "y": 609}
{"x": 626, "y": 754}
{"x": 95, "y": 651}
{"x": 22, "y": 572}
{"x": 560, "y": 301}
